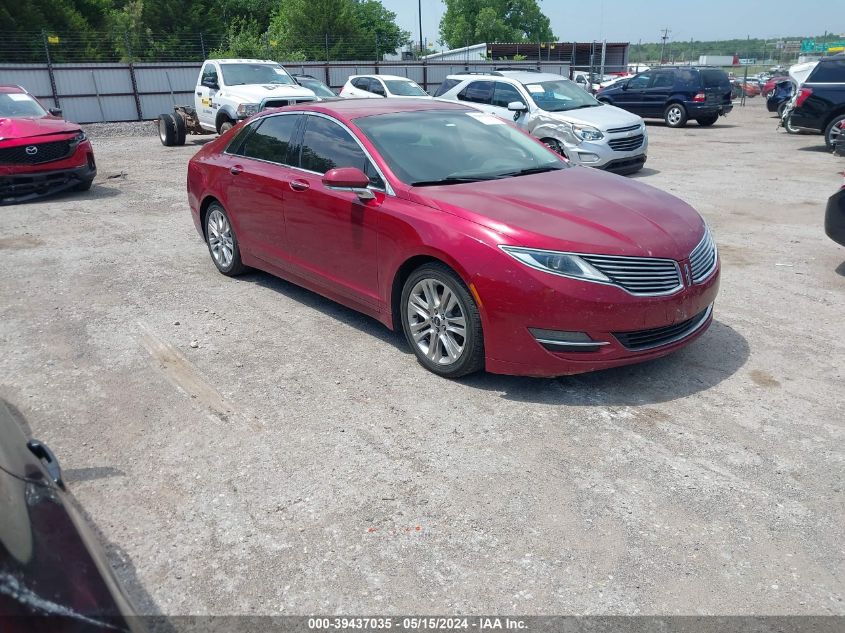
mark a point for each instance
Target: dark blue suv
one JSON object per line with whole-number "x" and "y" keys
{"x": 674, "y": 93}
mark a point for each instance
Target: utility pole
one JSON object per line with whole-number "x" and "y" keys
{"x": 419, "y": 9}
{"x": 664, "y": 37}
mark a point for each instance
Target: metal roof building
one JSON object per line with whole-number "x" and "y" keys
{"x": 577, "y": 54}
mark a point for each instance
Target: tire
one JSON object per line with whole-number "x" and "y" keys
{"x": 707, "y": 121}
{"x": 788, "y": 126}
{"x": 834, "y": 130}
{"x": 181, "y": 128}
{"x": 781, "y": 108}
{"x": 222, "y": 241}
{"x": 675, "y": 115}
{"x": 456, "y": 352}
{"x": 167, "y": 130}
{"x": 225, "y": 125}
{"x": 554, "y": 145}
{"x": 85, "y": 185}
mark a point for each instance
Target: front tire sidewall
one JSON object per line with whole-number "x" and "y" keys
{"x": 837, "y": 121}
{"x": 472, "y": 357}
{"x": 236, "y": 266}
{"x": 668, "y": 115}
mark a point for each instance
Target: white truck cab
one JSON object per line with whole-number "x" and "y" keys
{"x": 229, "y": 90}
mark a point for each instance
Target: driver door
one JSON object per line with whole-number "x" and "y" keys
{"x": 630, "y": 96}
{"x": 504, "y": 94}
{"x": 207, "y": 87}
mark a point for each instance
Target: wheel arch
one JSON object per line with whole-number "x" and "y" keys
{"x": 836, "y": 112}
{"x": 226, "y": 112}
{"x": 204, "y": 205}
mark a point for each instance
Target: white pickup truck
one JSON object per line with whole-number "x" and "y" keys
{"x": 227, "y": 91}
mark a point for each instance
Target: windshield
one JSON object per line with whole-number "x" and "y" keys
{"x": 244, "y": 74}
{"x": 18, "y": 105}
{"x": 317, "y": 87}
{"x": 404, "y": 88}
{"x": 560, "y": 95}
{"x": 436, "y": 147}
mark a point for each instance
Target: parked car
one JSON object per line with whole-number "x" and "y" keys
{"x": 228, "y": 91}
{"x": 40, "y": 152}
{"x": 834, "y": 217}
{"x": 771, "y": 83}
{"x": 747, "y": 87}
{"x": 485, "y": 247}
{"x": 54, "y": 576}
{"x": 820, "y": 100}
{"x": 675, "y": 94}
{"x": 559, "y": 113}
{"x": 316, "y": 86}
{"x": 778, "y": 98}
{"x": 375, "y": 86}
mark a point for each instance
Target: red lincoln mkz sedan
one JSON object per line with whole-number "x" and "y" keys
{"x": 485, "y": 247}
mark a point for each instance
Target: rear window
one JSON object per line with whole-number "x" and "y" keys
{"x": 446, "y": 86}
{"x": 828, "y": 72}
{"x": 714, "y": 78}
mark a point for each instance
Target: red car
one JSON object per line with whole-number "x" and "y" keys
{"x": 40, "y": 153}
{"x": 486, "y": 248}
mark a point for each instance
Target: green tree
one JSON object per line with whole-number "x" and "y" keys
{"x": 473, "y": 21}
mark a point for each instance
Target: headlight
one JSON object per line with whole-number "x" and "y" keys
{"x": 80, "y": 136}
{"x": 248, "y": 109}
{"x": 587, "y": 133}
{"x": 564, "y": 264}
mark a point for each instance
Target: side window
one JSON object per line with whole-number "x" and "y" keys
{"x": 326, "y": 145}
{"x": 376, "y": 87}
{"x": 271, "y": 139}
{"x": 209, "y": 75}
{"x": 503, "y": 94}
{"x": 640, "y": 81}
{"x": 446, "y": 86}
{"x": 828, "y": 72}
{"x": 663, "y": 80}
{"x": 477, "y": 92}
{"x": 362, "y": 83}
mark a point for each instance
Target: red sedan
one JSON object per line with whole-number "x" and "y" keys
{"x": 40, "y": 153}
{"x": 487, "y": 249}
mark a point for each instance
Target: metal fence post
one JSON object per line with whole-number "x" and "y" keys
{"x": 132, "y": 76}
{"x": 50, "y": 69}
{"x": 202, "y": 46}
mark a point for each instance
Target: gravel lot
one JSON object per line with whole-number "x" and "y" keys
{"x": 299, "y": 460}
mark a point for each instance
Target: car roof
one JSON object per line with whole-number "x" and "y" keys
{"x": 245, "y": 61}
{"x": 13, "y": 89}
{"x": 349, "y": 109}
{"x": 523, "y": 77}
{"x": 383, "y": 77}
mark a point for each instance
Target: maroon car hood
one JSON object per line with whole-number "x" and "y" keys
{"x": 578, "y": 209}
{"x": 27, "y": 127}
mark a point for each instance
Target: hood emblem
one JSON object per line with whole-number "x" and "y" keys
{"x": 31, "y": 150}
{"x": 687, "y": 274}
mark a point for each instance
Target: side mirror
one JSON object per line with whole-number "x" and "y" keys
{"x": 625, "y": 86}
{"x": 208, "y": 83}
{"x": 517, "y": 106}
{"x": 56, "y": 112}
{"x": 348, "y": 179}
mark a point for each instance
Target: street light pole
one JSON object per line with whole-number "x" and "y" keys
{"x": 419, "y": 8}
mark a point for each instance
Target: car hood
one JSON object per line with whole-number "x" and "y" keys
{"x": 580, "y": 209}
{"x": 256, "y": 93}
{"x": 27, "y": 127}
{"x": 604, "y": 117}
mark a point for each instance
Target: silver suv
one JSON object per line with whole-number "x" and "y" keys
{"x": 559, "y": 113}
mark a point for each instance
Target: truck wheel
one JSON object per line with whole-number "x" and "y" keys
{"x": 167, "y": 130}
{"x": 181, "y": 128}
{"x": 675, "y": 115}
{"x": 226, "y": 125}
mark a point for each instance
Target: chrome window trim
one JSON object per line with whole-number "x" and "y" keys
{"x": 388, "y": 190}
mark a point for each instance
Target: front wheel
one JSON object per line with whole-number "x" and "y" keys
{"x": 833, "y": 131}
{"x": 675, "y": 115}
{"x": 226, "y": 125}
{"x": 554, "y": 145}
{"x": 441, "y": 322}
{"x": 222, "y": 242}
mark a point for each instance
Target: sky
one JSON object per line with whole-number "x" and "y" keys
{"x": 633, "y": 20}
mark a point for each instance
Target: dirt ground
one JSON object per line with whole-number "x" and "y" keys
{"x": 299, "y": 460}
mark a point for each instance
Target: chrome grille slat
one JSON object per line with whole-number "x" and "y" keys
{"x": 626, "y": 144}
{"x": 630, "y": 128}
{"x": 703, "y": 258}
{"x": 639, "y": 275}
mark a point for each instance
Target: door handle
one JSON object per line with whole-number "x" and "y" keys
{"x": 299, "y": 185}
{"x": 235, "y": 170}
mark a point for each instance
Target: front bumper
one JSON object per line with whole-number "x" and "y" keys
{"x": 600, "y": 153}
{"x": 627, "y": 329}
{"x": 20, "y": 184}
{"x": 834, "y": 217}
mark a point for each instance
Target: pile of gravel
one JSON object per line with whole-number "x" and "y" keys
{"x": 115, "y": 130}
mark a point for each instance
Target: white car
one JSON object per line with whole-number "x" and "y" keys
{"x": 378, "y": 86}
{"x": 558, "y": 112}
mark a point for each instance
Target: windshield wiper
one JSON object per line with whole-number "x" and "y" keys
{"x": 533, "y": 170}
{"x": 585, "y": 105}
{"x": 451, "y": 180}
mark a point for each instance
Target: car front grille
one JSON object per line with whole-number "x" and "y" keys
{"x": 703, "y": 258}
{"x": 626, "y": 144}
{"x": 630, "y": 128}
{"x": 656, "y": 337}
{"x": 639, "y": 275}
{"x": 42, "y": 153}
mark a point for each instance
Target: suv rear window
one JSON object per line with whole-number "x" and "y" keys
{"x": 446, "y": 86}
{"x": 712, "y": 78}
{"x": 828, "y": 72}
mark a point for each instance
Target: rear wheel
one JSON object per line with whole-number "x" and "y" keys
{"x": 167, "y": 130}
{"x": 675, "y": 115}
{"x": 222, "y": 243}
{"x": 181, "y": 128}
{"x": 833, "y": 131}
{"x": 707, "y": 121}
{"x": 790, "y": 129}
{"x": 441, "y": 322}
{"x": 781, "y": 108}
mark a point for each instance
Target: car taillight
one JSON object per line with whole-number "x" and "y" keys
{"x": 803, "y": 94}
{"x": 699, "y": 97}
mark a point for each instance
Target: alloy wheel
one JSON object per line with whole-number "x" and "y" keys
{"x": 220, "y": 240}
{"x": 836, "y": 131}
{"x": 674, "y": 115}
{"x": 437, "y": 321}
